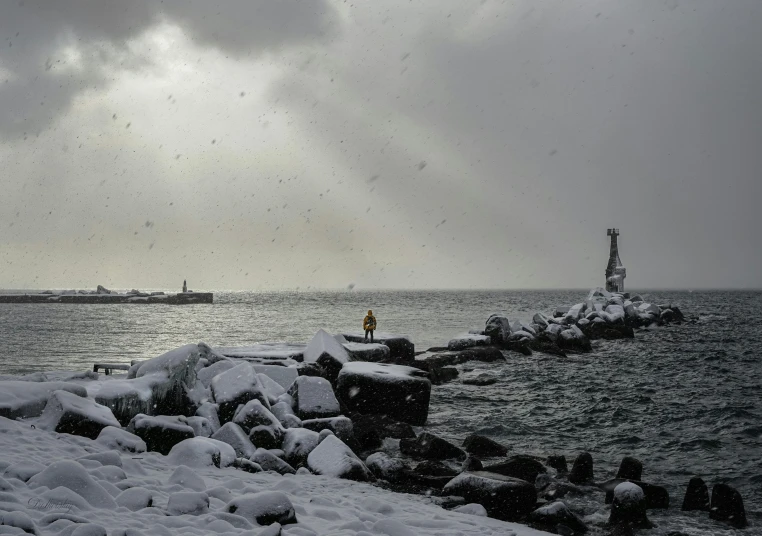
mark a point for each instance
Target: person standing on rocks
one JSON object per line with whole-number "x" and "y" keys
{"x": 369, "y": 325}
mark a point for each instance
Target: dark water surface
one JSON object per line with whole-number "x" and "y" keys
{"x": 686, "y": 400}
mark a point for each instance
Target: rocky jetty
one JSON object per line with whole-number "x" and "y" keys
{"x": 103, "y": 295}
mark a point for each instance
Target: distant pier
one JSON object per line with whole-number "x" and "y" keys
{"x": 181, "y": 298}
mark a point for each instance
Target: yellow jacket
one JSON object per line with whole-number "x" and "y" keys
{"x": 369, "y": 322}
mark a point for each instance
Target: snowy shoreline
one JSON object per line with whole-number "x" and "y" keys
{"x": 273, "y": 415}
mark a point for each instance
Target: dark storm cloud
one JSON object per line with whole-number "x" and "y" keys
{"x": 38, "y": 81}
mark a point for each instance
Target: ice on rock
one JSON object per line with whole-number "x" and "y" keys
{"x": 67, "y": 413}
{"x": 327, "y": 352}
{"x": 186, "y": 477}
{"x": 360, "y": 351}
{"x": 298, "y": 443}
{"x": 202, "y": 452}
{"x": 265, "y": 351}
{"x": 233, "y": 435}
{"x": 237, "y": 386}
{"x": 23, "y": 399}
{"x": 118, "y": 439}
{"x": 398, "y": 391}
{"x": 332, "y": 457}
{"x": 473, "y": 509}
{"x": 283, "y": 376}
{"x": 161, "y": 432}
{"x": 270, "y": 462}
{"x": 401, "y": 348}
{"x": 208, "y": 411}
{"x": 468, "y": 340}
{"x": 314, "y": 398}
{"x": 264, "y": 508}
{"x": 207, "y": 374}
{"x": 73, "y": 476}
{"x": 193, "y": 503}
{"x": 135, "y": 499}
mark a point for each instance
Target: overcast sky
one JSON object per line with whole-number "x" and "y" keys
{"x": 255, "y": 144}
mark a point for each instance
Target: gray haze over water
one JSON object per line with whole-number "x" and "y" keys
{"x": 389, "y": 144}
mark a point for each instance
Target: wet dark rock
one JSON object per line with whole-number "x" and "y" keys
{"x": 432, "y": 447}
{"x": 370, "y": 430}
{"x": 498, "y": 328}
{"x": 629, "y": 506}
{"x": 582, "y": 470}
{"x": 435, "y": 468}
{"x": 610, "y": 332}
{"x": 655, "y": 496}
{"x": 161, "y": 432}
{"x": 630, "y": 469}
{"x": 521, "y": 467}
{"x": 440, "y": 375}
{"x": 727, "y": 505}
{"x": 506, "y": 498}
{"x": 558, "y": 462}
{"x": 387, "y": 468}
{"x": 482, "y": 446}
{"x": 472, "y": 464}
{"x": 696, "y": 496}
{"x": 548, "y": 518}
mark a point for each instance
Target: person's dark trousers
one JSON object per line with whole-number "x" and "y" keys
{"x": 371, "y": 334}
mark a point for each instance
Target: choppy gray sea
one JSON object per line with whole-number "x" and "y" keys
{"x": 686, "y": 400}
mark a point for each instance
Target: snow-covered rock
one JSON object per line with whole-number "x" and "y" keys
{"x": 201, "y": 426}
{"x": 574, "y": 313}
{"x": 202, "y": 452}
{"x": 73, "y": 476}
{"x": 498, "y": 328}
{"x": 374, "y": 388}
{"x": 468, "y": 340}
{"x": 615, "y": 313}
{"x": 192, "y": 503}
{"x": 187, "y": 478}
{"x": 67, "y": 413}
{"x": 387, "y": 468}
{"x": 161, "y": 432}
{"x": 233, "y": 435}
{"x": 548, "y": 517}
{"x": 265, "y": 352}
{"x": 207, "y": 374}
{"x": 359, "y": 351}
{"x": 264, "y": 508}
{"x": 327, "y": 352}
{"x": 341, "y": 427}
{"x": 313, "y": 398}
{"x": 285, "y": 414}
{"x": 332, "y": 457}
{"x": 503, "y": 497}
{"x": 272, "y": 388}
{"x": 24, "y": 399}
{"x": 473, "y": 509}
{"x": 629, "y": 506}
{"x": 298, "y": 443}
{"x": 269, "y": 462}
{"x": 135, "y": 499}
{"x": 283, "y": 376}
{"x": 253, "y": 414}
{"x": 237, "y": 386}
{"x": 541, "y": 320}
{"x": 401, "y": 348}
{"x": 22, "y": 471}
{"x": 208, "y": 411}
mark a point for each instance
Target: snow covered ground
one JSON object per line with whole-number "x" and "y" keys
{"x": 47, "y": 487}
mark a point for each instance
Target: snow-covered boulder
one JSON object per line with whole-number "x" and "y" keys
{"x": 548, "y": 517}
{"x": 615, "y": 313}
{"x": 207, "y": 374}
{"x": 574, "y": 339}
{"x": 327, "y": 352}
{"x": 119, "y": 439}
{"x": 498, "y": 328}
{"x": 22, "y": 471}
{"x": 269, "y": 462}
{"x": 67, "y": 413}
{"x": 285, "y": 414}
{"x": 541, "y": 320}
{"x": 208, "y": 411}
{"x": 574, "y": 313}
{"x": 178, "y": 369}
{"x": 359, "y": 351}
{"x": 24, "y": 399}
{"x": 431, "y": 447}
{"x": 313, "y": 398}
{"x": 280, "y": 353}
{"x": 503, "y": 497}
{"x": 332, "y": 457}
{"x": 387, "y": 468}
{"x": 468, "y": 340}
{"x": 253, "y": 414}
{"x": 263, "y": 508}
{"x": 472, "y": 509}
{"x": 340, "y": 426}
{"x": 283, "y": 376}
{"x": 401, "y": 348}
{"x": 193, "y": 503}
{"x": 135, "y": 499}
{"x": 202, "y": 452}
{"x": 73, "y": 476}
{"x": 187, "y": 478}
{"x": 272, "y": 388}
{"x": 233, "y": 435}
{"x": 161, "y": 432}
{"x": 201, "y": 426}
{"x": 237, "y": 386}
{"x": 298, "y": 443}
{"x": 629, "y": 506}
{"x": 398, "y": 391}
